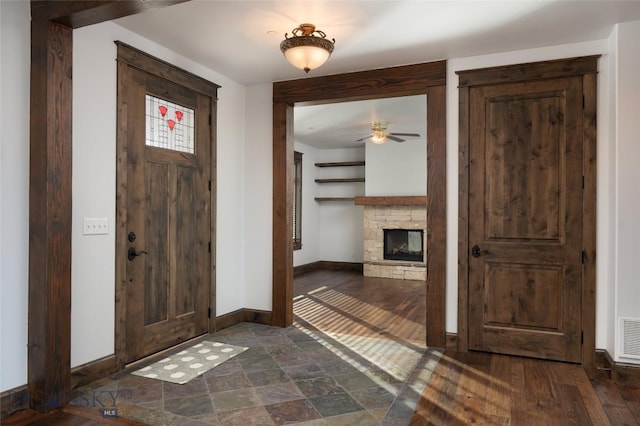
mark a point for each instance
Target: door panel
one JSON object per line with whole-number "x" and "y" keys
{"x": 525, "y": 207}
{"x": 168, "y": 209}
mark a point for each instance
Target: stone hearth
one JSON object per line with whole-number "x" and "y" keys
{"x": 380, "y": 217}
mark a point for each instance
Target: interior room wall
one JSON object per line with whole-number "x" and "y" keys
{"x": 331, "y": 230}
{"x": 395, "y": 169}
{"x": 627, "y": 290}
{"x": 341, "y": 222}
{"x": 258, "y": 193}
{"x": 14, "y": 191}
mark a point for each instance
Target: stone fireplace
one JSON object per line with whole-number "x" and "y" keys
{"x": 404, "y": 219}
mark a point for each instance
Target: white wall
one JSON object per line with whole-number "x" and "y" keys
{"x": 627, "y": 284}
{"x": 331, "y": 230}
{"x": 341, "y": 222}
{"x": 258, "y": 189}
{"x": 606, "y": 190}
{"x": 395, "y": 169}
{"x": 14, "y": 191}
{"x": 94, "y": 150}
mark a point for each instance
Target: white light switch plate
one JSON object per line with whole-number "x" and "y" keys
{"x": 95, "y": 226}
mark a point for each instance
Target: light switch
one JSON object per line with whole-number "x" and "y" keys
{"x": 95, "y": 226}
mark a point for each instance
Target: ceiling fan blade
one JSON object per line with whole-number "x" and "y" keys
{"x": 393, "y": 138}
{"x": 413, "y": 135}
{"x": 363, "y": 139}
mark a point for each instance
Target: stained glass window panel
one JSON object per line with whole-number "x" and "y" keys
{"x": 169, "y": 125}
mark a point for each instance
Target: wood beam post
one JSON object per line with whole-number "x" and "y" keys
{"x": 49, "y": 337}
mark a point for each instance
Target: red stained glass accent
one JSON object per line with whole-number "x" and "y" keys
{"x": 171, "y": 124}
{"x": 179, "y": 115}
{"x": 163, "y": 110}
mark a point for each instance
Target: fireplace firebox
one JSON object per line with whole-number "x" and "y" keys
{"x": 404, "y": 244}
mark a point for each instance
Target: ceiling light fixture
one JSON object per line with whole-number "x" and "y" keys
{"x": 304, "y": 49}
{"x": 379, "y": 136}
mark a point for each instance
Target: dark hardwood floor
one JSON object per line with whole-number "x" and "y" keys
{"x": 474, "y": 387}
{"x": 482, "y": 388}
{"x": 463, "y": 388}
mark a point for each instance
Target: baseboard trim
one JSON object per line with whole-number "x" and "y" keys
{"x": 14, "y": 400}
{"x": 92, "y": 371}
{"x": 620, "y": 373}
{"x": 451, "y": 341}
{"x": 327, "y": 264}
{"x": 242, "y": 315}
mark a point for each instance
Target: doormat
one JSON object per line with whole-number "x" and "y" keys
{"x": 191, "y": 362}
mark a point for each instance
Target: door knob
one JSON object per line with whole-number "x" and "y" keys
{"x": 476, "y": 251}
{"x": 132, "y": 253}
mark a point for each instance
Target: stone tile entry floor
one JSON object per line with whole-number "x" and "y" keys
{"x": 296, "y": 375}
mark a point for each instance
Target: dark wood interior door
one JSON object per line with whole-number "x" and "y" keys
{"x": 168, "y": 212}
{"x": 525, "y": 218}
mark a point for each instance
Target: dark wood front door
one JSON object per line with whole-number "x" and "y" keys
{"x": 167, "y": 199}
{"x": 526, "y": 218}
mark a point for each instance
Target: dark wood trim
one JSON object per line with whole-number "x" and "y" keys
{"x": 391, "y": 201}
{"x": 587, "y": 67}
{"x": 243, "y": 315}
{"x": 339, "y": 180}
{"x": 621, "y": 373}
{"x": 150, "y": 64}
{"x": 626, "y": 374}
{"x": 436, "y": 215}
{"x": 49, "y": 327}
{"x": 428, "y": 79}
{"x": 589, "y": 112}
{"x": 14, "y": 400}
{"x": 327, "y": 264}
{"x": 49, "y": 334}
{"x": 529, "y": 71}
{"x": 92, "y": 371}
{"x": 452, "y": 341}
{"x": 341, "y": 164}
{"x": 307, "y": 267}
{"x": 77, "y": 14}
{"x": 380, "y": 83}
{"x": 283, "y": 187}
{"x": 463, "y": 218}
{"x": 334, "y": 198}
{"x": 603, "y": 364}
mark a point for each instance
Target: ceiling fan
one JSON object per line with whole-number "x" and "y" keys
{"x": 379, "y": 135}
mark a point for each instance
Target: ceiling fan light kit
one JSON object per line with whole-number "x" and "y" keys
{"x": 307, "y": 48}
{"x": 380, "y": 135}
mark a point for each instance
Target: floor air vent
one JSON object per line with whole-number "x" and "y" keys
{"x": 630, "y": 337}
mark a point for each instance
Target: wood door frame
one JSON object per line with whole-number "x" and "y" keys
{"x": 50, "y": 140}
{"x": 587, "y": 67}
{"x": 132, "y": 57}
{"x": 427, "y": 79}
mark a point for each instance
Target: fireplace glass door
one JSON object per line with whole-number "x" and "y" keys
{"x": 404, "y": 244}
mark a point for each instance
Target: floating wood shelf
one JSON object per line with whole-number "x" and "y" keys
{"x": 341, "y": 164}
{"x": 361, "y": 179}
{"x": 334, "y": 198}
{"x": 391, "y": 201}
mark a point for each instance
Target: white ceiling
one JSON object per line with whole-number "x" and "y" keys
{"x": 240, "y": 39}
